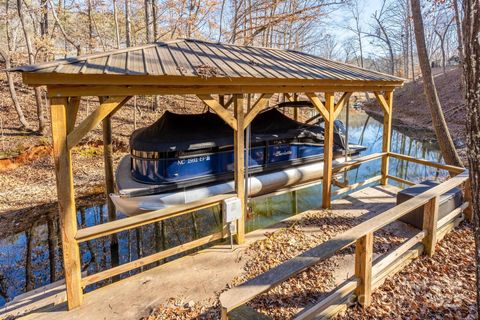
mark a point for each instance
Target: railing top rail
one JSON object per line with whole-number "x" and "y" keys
{"x": 450, "y": 168}
{"x": 245, "y": 292}
{"x": 146, "y": 218}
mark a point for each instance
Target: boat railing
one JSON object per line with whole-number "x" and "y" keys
{"x": 369, "y": 273}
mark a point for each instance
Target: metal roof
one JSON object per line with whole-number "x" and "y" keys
{"x": 202, "y": 59}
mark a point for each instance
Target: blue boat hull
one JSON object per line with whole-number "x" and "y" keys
{"x": 183, "y": 168}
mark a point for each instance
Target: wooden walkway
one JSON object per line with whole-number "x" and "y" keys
{"x": 198, "y": 277}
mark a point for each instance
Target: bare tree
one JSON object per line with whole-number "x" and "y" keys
{"x": 13, "y": 93}
{"x": 128, "y": 26}
{"x": 441, "y": 36}
{"x": 441, "y": 129}
{"x": 115, "y": 23}
{"x": 31, "y": 60}
{"x": 458, "y": 20}
{"x": 471, "y": 44}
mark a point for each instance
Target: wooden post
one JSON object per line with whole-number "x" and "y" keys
{"x": 66, "y": 201}
{"x": 468, "y": 197}
{"x": 328, "y": 149}
{"x": 363, "y": 269}
{"x": 387, "y": 135}
{"x": 239, "y": 155}
{"x": 295, "y": 110}
{"x": 108, "y": 158}
{"x": 110, "y": 184}
{"x": 430, "y": 219}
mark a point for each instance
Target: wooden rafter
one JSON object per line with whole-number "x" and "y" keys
{"x": 228, "y": 103}
{"x": 73, "y": 106}
{"x": 341, "y": 103}
{"x": 219, "y": 109}
{"x": 317, "y": 104}
{"x": 258, "y": 106}
{"x": 104, "y": 109}
{"x": 383, "y": 102}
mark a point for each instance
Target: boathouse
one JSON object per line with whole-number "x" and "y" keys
{"x": 221, "y": 75}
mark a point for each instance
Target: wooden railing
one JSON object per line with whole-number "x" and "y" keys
{"x": 369, "y": 274}
{"x": 116, "y": 226}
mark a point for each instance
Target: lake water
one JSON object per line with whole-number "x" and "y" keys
{"x": 30, "y": 256}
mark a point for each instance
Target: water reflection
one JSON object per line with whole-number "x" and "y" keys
{"x": 31, "y": 256}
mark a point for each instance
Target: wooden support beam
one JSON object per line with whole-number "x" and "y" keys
{"x": 106, "y": 108}
{"x": 73, "y": 106}
{"x": 328, "y": 149}
{"x": 219, "y": 110}
{"x": 66, "y": 201}
{"x": 430, "y": 220}
{"x": 341, "y": 103}
{"x": 387, "y": 134}
{"x": 317, "y": 104}
{"x": 258, "y": 106}
{"x": 239, "y": 162}
{"x": 227, "y": 104}
{"x": 363, "y": 268}
{"x": 383, "y": 102}
{"x": 111, "y": 90}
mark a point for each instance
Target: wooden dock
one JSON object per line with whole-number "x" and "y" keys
{"x": 198, "y": 277}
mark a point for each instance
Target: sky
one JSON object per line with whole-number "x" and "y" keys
{"x": 340, "y": 18}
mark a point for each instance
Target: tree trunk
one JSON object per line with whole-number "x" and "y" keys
{"x": 13, "y": 94}
{"x": 148, "y": 21}
{"x": 441, "y": 130}
{"x": 31, "y": 60}
{"x": 458, "y": 20}
{"x": 471, "y": 43}
{"x": 115, "y": 23}
{"x": 128, "y": 27}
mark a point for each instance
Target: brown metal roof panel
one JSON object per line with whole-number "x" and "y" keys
{"x": 208, "y": 67}
{"x": 301, "y": 65}
{"x": 325, "y": 68}
{"x": 292, "y": 66}
{"x": 228, "y": 70}
{"x": 265, "y": 60}
{"x": 47, "y": 70}
{"x": 117, "y": 63}
{"x": 71, "y": 68}
{"x": 95, "y": 66}
{"x": 168, "y": 63}
{"x": 183, "y": 64}
{"x": 342, "y": 69}
{"x": 153, "y": 64}
{"x": 135, "y": 63}
{"x": 246, "y": 64}
{"x": 321, "y": 71}
{"x": 259, "y": 64}
{"x": 233, "y": 63}
{"x": 189, "y": 54}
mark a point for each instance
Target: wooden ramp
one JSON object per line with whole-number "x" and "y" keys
{"x": 198, "y": 277}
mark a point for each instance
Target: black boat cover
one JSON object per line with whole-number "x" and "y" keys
{"x": 182, "y": 132}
